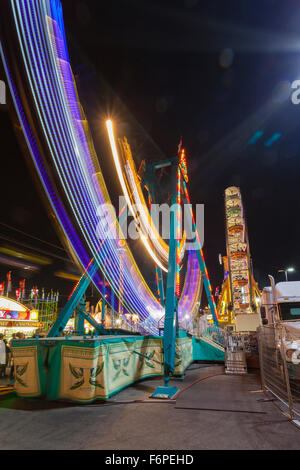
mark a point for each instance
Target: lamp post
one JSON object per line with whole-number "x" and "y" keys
{"x": 286, "y": 271}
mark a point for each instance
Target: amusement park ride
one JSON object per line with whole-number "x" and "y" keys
{"x": 57, "y": 137}
{"x": 240, "y": 295}
{"x": 52, "y": 124}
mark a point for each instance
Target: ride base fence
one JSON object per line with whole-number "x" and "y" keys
{"x": 85, "y": 369}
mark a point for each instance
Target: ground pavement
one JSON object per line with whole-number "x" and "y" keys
{"x": 220, "y": 412}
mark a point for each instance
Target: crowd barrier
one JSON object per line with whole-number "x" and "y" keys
{"x": 280, "y": 365}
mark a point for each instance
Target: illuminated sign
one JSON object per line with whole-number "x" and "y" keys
{"x": 12, "y": 310}
{"x": 21, "y": 324}
{"x": 34, "y": 315}
{"x": 13, "y": 315}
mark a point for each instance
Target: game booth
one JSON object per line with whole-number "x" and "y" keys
{"x": 15, "y": 317}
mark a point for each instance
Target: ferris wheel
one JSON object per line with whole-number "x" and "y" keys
{"x": 240, "y": 293}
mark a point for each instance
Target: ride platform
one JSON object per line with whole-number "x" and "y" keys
{"x": 85, "y": 369}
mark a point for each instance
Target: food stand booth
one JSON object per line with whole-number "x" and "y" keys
{"x": 17, "y": 318}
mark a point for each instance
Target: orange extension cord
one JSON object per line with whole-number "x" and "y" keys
{"x": 155, "y": 400}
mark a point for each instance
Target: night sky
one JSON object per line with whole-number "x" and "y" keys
{"x": 214, "y": 72}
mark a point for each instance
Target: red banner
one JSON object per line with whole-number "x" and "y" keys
{"x": 22, "y": 288}
{"x": 18, "y": 294}
{"x": 8, "y": 282}
{"x": 2, "y": 287}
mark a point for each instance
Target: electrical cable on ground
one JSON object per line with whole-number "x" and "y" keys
{"x": 149, "y": 400}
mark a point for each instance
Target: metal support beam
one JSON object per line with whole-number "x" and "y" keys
{"x": 73, "y": 301}
{"x": 76, "y": 297}
{"x": 112, "y": 308}
{"x": 162, "y": 163}
{"x": 171, "y": 300}
{"x": 79, "y": 322}
{"x": 160, "y": 285}
{"x": 171, "y": 320}
{"x": 88, "y": 317}
{"x": 103, "y": 301}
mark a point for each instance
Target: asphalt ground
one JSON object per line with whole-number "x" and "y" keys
{"x": 211, "y": 411}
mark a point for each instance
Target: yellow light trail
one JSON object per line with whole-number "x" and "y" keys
{"x": 125, "y": 191}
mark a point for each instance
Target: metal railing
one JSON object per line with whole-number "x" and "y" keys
{"x": 201, "y": 329}
{"x": 279, "y": 355}
{"x": 235, "y": 355}
{"x": 118, "y": 321}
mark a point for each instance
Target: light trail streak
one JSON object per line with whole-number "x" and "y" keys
{"x": 69, "y": 148}
{"x": 125, "y": 192}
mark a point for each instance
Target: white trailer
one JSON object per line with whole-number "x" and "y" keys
{"x": 281, "y": 302}
{"x": 280, "y": 306}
